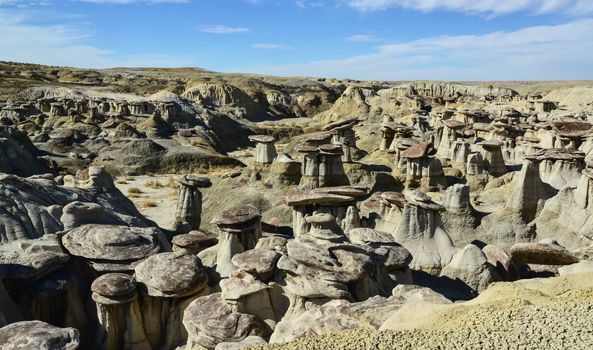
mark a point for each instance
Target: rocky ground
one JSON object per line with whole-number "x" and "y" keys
{"x": 185, "y": 209}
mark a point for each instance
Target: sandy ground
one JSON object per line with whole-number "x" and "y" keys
{"x": 224, "y": 194}
{"x": 554, "y": 313}
{"x": 156, "y": 199}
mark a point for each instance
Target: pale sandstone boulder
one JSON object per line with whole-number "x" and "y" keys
{"x": 248, "y": 342}
{"x": 80, "y": 213}
{"x": 460, "y": 219}
{"x": 567, "y": 217}
{"x": 514, "y": 222}
{"x": 209, "y": 320}
{"x": 471, "y": 266}
{"x": 258, "y": 261}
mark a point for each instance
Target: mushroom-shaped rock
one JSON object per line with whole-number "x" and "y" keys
{"x": 265, "y": 151}
{"x": 194, "y": 242}
{"x": 324, "y": 228}
{"x": 422, "y": 233}
{"x": 167, "y": 282}
{"x": 542, "y": 254}
{"x": 339, "y": 201}
{"x": 38, "y": 335}
{"x": 237, "y": 216}
{"x": 417, "y": 151}
{"x": 188, "y": 213}
{"x": 171, "y": 274}
{"x": 492, "y": 156}
{"x": 209, "y": 320}
{"x": 572, "y": 129}
{"x": 560, "y": 167}
{"x": 114, "y": 288}
{"x": 322, "y": 166}
{"x": 119, "y": 316}
{"x": 239, "y": 230}
{"x": 112, "y": 248}
{"x": 251, "y": 297}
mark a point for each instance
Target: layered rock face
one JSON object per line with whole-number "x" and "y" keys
{"x": 421, "y": 231}
{"x": 38, "y": 335}
{"x": 18, "y": 155}
{"x": 35, "y": 206}
{"x": 513, "y": 222}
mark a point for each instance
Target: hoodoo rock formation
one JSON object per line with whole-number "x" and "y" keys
{"x": 201, "y": 210}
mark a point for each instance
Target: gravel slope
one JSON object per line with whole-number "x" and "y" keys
{"x": 555, "y": 313}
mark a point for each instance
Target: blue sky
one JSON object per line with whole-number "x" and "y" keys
{"x": 360, "y": 39}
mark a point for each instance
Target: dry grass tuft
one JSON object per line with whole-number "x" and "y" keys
{"x": 172, "y": 184}
{"x": 134, "y": 192}
{"x": 121, "y": 181}
{"x": 153, "y": 184}
{"x": 149, "y": 203}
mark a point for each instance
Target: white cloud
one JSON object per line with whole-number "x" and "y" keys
{"x": 309, "y": 3}
{"x": 125, "y": 2}
{"x": 533, "y": 53}
{"x": 32, "y": 3}
{"x": 496, "y": 7}
{"x": 23, "y": 40}
{"x": 265, "y": 46}
{"x": 361, "y": 38}
{"x": 222, "y": 29}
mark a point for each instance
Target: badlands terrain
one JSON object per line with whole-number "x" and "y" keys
{"x": 162, "y": 209}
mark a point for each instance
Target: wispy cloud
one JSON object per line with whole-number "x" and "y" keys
{"x": 66, "y": 44}
{"x": 32, "y": 3}
{"x": 496, "y": 7}
{"x": 265, "y": 46}
{"x": 222, "y": 29}
{"x": 126, "y": 2}
{"x": 361, "y": 38}
{"x": 309, "y": 3}
{"x": 533, "y": 53}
